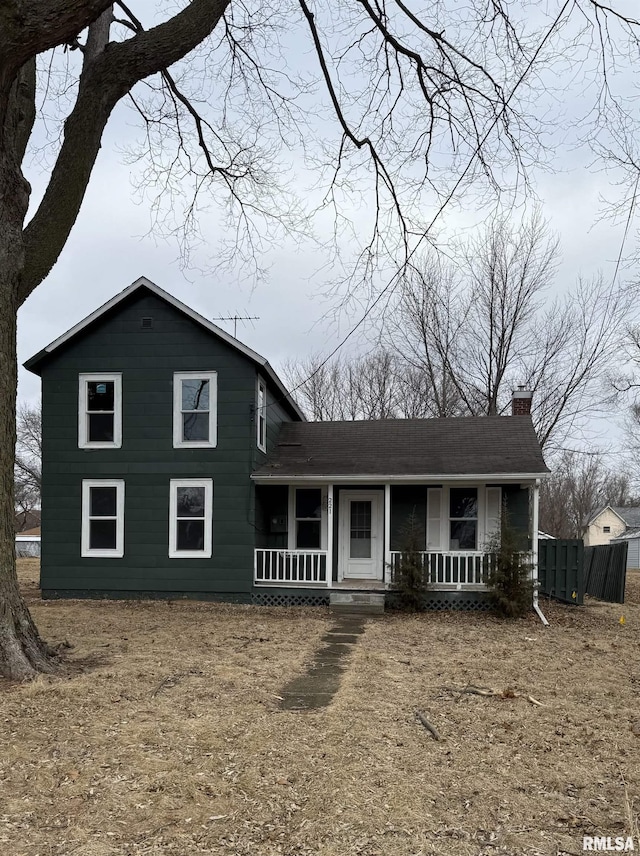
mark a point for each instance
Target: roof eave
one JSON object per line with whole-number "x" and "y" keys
{"x": 32, "y": 364}
{"x": 391, "y": 477}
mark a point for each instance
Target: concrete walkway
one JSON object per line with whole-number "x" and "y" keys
{"x": 317, "y": 687}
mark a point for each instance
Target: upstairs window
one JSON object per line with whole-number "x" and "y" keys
{"x": 261, "y": 417}
{"x": 194, "y": 409}
{"x": 463, "y": 518}
{"x": 100, "y": 411}
{"x": 190, "y": 518}
{"x": 103, "y": 518}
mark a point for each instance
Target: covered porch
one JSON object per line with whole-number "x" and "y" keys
{"x": 345, "y": 535}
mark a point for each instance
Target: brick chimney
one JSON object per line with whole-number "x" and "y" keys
{"x": 521, "y": 402}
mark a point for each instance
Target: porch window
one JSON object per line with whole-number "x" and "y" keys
{"x": 194, "y": 409}
{"x": 100, "y": 411}
{"x": 308, "y": 518}
{"x": 463, "y": 518}
{"x": 190, "y": 518}
{"x": 103, "y": 519}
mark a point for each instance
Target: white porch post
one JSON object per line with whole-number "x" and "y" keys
{"x": 330, "y": 535}
{"x": 387, "y": 534}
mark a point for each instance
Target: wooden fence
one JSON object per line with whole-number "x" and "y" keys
{"x": 560, "y": 569}
{"x": 605, "y": 571}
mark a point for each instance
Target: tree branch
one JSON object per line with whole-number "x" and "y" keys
{"x": 105, "y": 79}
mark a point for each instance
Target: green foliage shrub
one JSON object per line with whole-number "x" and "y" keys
{"x": 409, "y": 575}
{"x": 509, "y": 575}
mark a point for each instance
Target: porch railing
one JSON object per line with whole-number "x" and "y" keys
{"x": 455, "y": 568}
{"x": 290, "y": 566}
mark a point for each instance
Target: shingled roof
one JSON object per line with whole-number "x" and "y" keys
{"x": 479, "y": 446}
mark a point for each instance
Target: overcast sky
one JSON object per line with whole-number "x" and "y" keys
{"x": 109, "y": 248}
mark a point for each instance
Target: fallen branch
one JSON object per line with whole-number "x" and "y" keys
{"x": 430, "y": 728}
{"x": 488, "y": 692}
{"x": 172, "y": 680}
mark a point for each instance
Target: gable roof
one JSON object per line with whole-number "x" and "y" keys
{"x": 630, "y": 516}
{"x": 34, "y": 363}
{"x": 453, "y": 448}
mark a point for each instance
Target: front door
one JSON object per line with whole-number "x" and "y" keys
{"x": 360, "y": 535}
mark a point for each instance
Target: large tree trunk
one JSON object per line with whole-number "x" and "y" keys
{"x": 22, "y": 653}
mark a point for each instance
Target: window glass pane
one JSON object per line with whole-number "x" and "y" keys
{"x": 190, "y": 535}
{"x": 195, "y": 426}
{"x": 464, "y": 502}
{"x": 190, "y": 502}
{"x": 360, "y": 545}
{"x": 308, "y": 535}
{"x": 103, "y": 502}
{"x": 102, "y": 534}
{"x": 100, "y": 395}
{"x": 195, "y": 394}
{"x": 100, "y": 427}
{"x": 309, "y": 502}
{"x": 463, "y": 535}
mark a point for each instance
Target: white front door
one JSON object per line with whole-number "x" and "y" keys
{"x": 360, "y": 535}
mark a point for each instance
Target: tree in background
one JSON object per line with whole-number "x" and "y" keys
{"x": 482, "y": 326}
{"x": 463, "y": 335}
{"x": 28, "y": 461}
{"x": 579, "y": 484}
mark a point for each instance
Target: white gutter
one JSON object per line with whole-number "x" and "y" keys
{"x": 416, "y": 478}
{"x": 534, "y": 550}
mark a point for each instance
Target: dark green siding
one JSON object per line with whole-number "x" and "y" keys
{"x": 516, "y": 502}
{"x": 147, "y": 460}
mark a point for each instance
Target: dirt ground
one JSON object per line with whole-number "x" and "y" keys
{"x": 166, "y": 736}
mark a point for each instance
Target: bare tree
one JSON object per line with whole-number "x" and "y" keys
{"x": 28, "y": 463}
{"x": 376, "y": 386}
{"x": 579, "y": 484}
{"x": 479, "y": 330}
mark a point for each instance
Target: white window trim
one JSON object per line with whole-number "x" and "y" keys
{"x": 292, "y": 525}
{"x": 85, "y": 550}
{"x": 445, "y": 521}
{"x": 205, "y": 553}
{"x": 83, "y": 437}
{"x": 261, "y": 415}
{"x": 178, "y": 442}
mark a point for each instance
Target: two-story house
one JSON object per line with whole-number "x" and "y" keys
{"x": 176, "y": 464}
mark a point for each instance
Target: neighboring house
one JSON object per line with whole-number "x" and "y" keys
{"x": 632, "y": 537}
{"x": 27, "y": 519}
{"x": 609, "y": 522}
{"x": 176, "y": 464}
{"x": 28, "y": 543}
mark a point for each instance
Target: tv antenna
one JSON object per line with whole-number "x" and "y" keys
{"x": 235, "y": 319}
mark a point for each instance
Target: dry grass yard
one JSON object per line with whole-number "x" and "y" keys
{"x": 165, "y": 736}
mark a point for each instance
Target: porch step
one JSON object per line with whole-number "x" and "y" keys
{"x": 360, "y": 602}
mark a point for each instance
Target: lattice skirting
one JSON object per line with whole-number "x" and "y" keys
{"x": 280, "y": 598}
{"x": 442, "y": 601}
{"x": 436, "y": 601}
